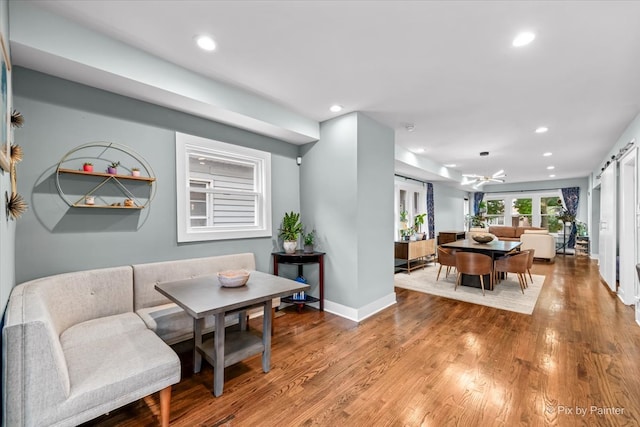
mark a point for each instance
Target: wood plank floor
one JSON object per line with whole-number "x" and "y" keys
{"x": 429, "y": 361}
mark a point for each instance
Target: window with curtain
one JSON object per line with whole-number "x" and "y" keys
{"x": 223, "y": 190}
{"x": 550, "y": 207}
{"x": 537, "y": 209}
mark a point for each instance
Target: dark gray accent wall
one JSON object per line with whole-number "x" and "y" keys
{"x": 61, "y": 115}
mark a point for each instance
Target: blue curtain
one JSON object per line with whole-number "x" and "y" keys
{"x": 477, "y": 198}
{"x": 431, "y": 221}
{"x": 571, "y": 197}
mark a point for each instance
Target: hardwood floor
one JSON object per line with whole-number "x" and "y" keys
{"x": 430, "y": 361}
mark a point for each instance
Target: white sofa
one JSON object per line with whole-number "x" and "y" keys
{"x": 78, "y": 345}
{"x": 540, "y": 240}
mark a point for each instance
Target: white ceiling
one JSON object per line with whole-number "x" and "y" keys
{"x": 447, "y": 67}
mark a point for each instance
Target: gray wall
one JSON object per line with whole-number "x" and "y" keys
{"x": 61, "y": 115}
{"x": 7, "y": 227}
{"x": 374, "y": 220}
{"x": 449, "y": 208}
{"x": 347, "y": 195}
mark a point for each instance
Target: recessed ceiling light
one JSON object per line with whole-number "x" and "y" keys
{"x": 547, "y": 154}
{"x": 523, "y": 39}
{"x": 202, "y": 163}
{"x": 450, "y": 165}
{"x": 419, "y": 150}
{"x": 205, "y": 43}
{"x": 542, "y": 129}
{"x": 551, "y": 167}
{"x": 552, "y": 176}
{"x": 335, "y": 108}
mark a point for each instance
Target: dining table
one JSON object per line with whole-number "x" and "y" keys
{"x": 494, "y": 249}
{"x": 204, "y": 296}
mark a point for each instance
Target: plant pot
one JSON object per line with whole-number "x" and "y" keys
{"x": 308, "y": 249}
{"x": 87, "y": 168}
{"x": 112, "y": 171}
{"x": 290, "y": 246}
{"x": 135, "y": 173}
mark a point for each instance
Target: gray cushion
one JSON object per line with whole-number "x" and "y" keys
{"x": 112, "y": 372}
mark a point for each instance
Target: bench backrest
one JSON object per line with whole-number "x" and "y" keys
{"x": 35, "y": 373}
{"x": 146, "y": 276}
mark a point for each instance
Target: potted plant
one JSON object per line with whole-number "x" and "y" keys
{"x": 309, "y": 240}
{"x": 565, "y": 216}
{"x": 418, "y": 220}
{"x": 290, "y": 231}
{"x": 581, "y": 229}
{"x": 87, "y": 167}
{"x": 135, "y": 171}
{"x": 112, "y": 169}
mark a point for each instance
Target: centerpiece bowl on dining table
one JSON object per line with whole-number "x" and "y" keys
{"x": 233, "y": 278}
{"x": 482, "y": 238}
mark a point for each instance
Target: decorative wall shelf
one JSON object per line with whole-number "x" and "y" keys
{"x": 95, "y": 184}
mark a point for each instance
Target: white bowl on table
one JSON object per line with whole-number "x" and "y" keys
{"x": 233, "y": 278}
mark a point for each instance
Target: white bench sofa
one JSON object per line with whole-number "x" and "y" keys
{"x": 78, "y": 345}
{"x": 74, "y": 349}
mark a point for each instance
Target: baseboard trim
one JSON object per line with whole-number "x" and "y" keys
{"x": 359, "y": 314}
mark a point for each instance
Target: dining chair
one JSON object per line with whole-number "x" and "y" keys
{"x": 513, "y": 264}
{"x": 446, "y": 257}
{"x": 529, "y": 265}
{"x": 474, "y": 264}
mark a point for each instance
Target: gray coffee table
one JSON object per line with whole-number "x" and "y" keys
{"x": 203, "y": 296}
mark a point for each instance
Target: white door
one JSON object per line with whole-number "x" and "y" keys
{"x": 607, "y": 230}
{"x": 627, "y": 240}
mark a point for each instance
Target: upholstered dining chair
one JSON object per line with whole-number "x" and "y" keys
{"x": 446, "y": 257}
{"x": 513, "y": 264}
{"x": 474, "y": 264}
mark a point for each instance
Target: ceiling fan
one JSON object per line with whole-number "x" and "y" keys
{"x": 479, "y": 180}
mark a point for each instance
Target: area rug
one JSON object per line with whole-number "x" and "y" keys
{"x": 505, "y": 296}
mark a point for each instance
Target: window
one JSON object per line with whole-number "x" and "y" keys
{"x": 495, "y": 212}
{"x": 537, "y": 209}
{"x": 521, "y": 212}
{"x": 550, "y": 207}
{"x": 223, "y": 190}
{"x": 410, "y": 198}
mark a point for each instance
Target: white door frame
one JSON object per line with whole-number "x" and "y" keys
{"x": 628, "y": 232}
